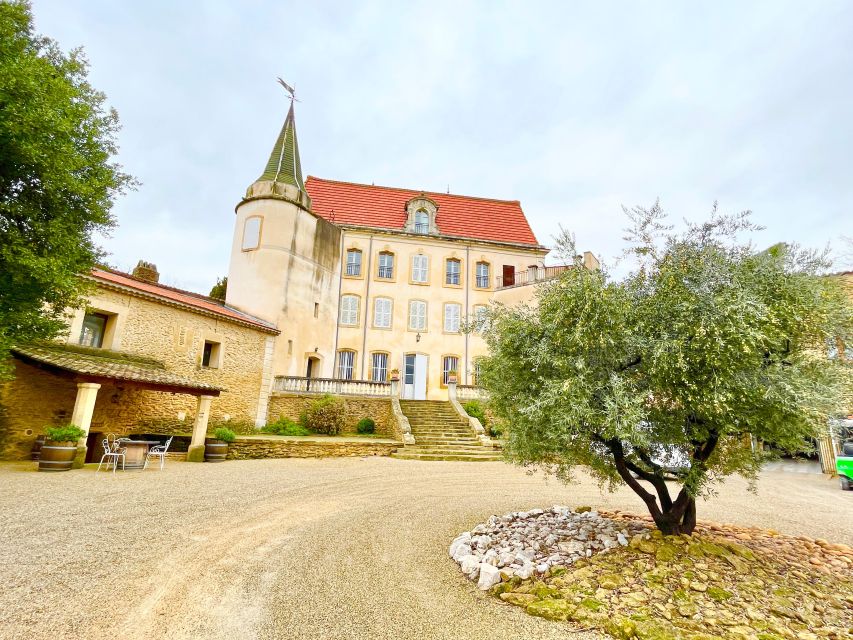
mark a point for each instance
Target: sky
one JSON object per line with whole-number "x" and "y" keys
{"x": 573, "y": 108}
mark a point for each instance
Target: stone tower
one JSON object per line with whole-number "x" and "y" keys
{"x": 285, "y": 263}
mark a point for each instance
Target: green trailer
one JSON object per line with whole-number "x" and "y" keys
{"x": 844, "y": 466}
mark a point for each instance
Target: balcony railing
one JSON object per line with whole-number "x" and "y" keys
{"x": 465, "y": 392}
{"x": 422, "y": 227}
{"x": 334, "y": 386}
{"x": 530, "y": 276}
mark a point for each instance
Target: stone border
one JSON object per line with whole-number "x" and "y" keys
{"x": 474, "y": 423}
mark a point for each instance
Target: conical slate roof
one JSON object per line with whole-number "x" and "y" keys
{"x": 283, "y": 165}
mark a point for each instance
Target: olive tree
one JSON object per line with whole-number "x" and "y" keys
{"x": 666, "y": 378}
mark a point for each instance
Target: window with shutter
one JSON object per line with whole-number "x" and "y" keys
{"x": 451, "y": 317}
{"x": 349, "y": 310}
{"x": 420, "y": 268}
{"x": 382, "y": 313}
{"x": 417, "y": 315}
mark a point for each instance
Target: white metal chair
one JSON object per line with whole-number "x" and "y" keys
{"x": 112, "y": 453}
{"x": 158, "y": 451}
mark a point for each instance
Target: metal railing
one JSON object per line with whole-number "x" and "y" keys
{"x": 422, "y": 227}
{"x": 334, "y": 386}
{"x": 469, "y": 392}
{"x": 530, "y": 276}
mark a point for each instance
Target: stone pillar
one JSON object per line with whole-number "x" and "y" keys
{"x": 451, "y": 391}
{"x": 195, "y": 453}
{"x": 84, "y": 407}
{"x": 395, "y": 388}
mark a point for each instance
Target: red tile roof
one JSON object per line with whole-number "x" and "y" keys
{"x": 385, "y": 207}
{"x": 201, "y": 303}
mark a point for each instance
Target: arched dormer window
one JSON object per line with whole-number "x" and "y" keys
{"x": 421, "y": 221}
{"x": 421, "y": 213}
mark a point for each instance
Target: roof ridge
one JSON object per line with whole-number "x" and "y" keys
{"x": 434, "y": 193}
{"x": 162, "y": 286}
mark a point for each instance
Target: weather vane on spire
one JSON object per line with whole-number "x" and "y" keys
{"x": 289, "y": 89}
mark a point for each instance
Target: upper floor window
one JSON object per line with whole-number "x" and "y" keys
{"x": 386, "y": 265}
{"x": 417, "y": 315}
{"x": 94, "y": 329}
{"x": 349, "y": 310}
{"x": 452, "y": 271}
{"x": 483, "y": 275}
{"x": 479, "y": 317}
{"x": 421, "y": 221}
{"x": 452, "y": 311}
{"x": 379, "y": 367}
{"x": 449, "y": 364}
{"x": 353, "y": 262}
{"x": 420, "y": 268}
{"x": 251, "y": 233}
{"x": 211, "y": 354}
{"x": 346, "y": 362}
{"x": 382, "y": 313}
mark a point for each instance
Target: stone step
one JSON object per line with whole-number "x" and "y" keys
{"x": 458, "y": 457}
{"x": 445, "y": 440}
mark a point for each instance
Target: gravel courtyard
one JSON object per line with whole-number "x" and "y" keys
{"x": 336, "y": 548}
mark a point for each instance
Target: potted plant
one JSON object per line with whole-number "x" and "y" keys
{"x": 216, "y": 448}
{"x": 60, "y": 447}
{"x": 451, "y": 377}
{"x": 395, "y": 375}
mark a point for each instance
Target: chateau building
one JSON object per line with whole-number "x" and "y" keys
{"x": 363, "y": 280}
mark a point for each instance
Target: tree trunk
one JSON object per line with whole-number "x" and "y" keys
{"x": 677, "y": 520}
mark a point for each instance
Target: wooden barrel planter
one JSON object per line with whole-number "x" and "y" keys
{"x": 215, "y": 450}
{"x": 35, "y": 454}
{"x": 57, "y": 456}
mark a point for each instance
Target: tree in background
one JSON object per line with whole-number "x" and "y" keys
{"x": 220, "y": 289}
{"x": 57, "y": 179}
{"x": 659, "y": 380}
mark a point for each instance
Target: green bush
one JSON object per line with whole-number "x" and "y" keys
{"x": 366, "y": 425}
{"x": 65, "y": 433}
{"x": 475, "y": 409}
{"x": 285, "y": 427}
{"x": 326, "y": 415}
{"x": 224, "y": 434}
{"x": 496, "y": 431}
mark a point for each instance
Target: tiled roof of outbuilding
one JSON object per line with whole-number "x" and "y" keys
{"x": 195, "y": 301}
{"x": 89, "y": 363}
{"x": 365, "y": 205}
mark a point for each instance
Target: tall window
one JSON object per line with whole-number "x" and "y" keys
{"x": 420, "y": 268}
{"x": 379, "y": 367}
{"x": 345, "y": 364}
{"x": 353, "y": 262}
{"x": 448, "y": 364}
{"x": 417, "y": 315}
{"x": 349, "y": 310}
{"x": 382, "y": 313}
{"x": 386, "y": 264}
{"x": 94, "y": 328}
{"x": 452, "y": 312}
{"x": 251, "y": 233}
{"x": 483, "y": 275}
{"x": 479, "y": 317}
{"x": 476, "y": 373}
{"x": 421, "y": 221}
{"x": 452, "y": 271}
{"x": 211, "y": 355}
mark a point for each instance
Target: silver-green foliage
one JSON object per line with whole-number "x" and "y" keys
{"x": 665, "y": 374}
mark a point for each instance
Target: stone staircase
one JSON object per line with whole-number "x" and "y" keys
{"x": 440, "y": 434}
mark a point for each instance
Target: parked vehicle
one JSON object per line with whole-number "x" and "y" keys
{"x": 844, "y": 465}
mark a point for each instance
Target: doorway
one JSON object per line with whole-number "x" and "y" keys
{"x": 414, "y": 376}
{"x": 312, "y": 370}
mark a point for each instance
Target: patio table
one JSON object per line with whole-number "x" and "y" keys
{"x": 136, "y": 452}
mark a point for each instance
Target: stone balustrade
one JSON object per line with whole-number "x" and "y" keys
{"x": 334, "y": 386}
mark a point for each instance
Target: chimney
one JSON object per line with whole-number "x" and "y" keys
{"x": 146, "y": 271}
{"x": 590, "y": 262}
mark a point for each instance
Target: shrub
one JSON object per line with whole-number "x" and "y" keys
{"x": 496, "y": 431}
{"x": 366, "y": 425}
{"x": 65, "y": 433}
{"x": 474, "y": 408}
{"x": 285, "y": 427}
{"x": 326, "y": 415}
{"x": 224, "y": 434}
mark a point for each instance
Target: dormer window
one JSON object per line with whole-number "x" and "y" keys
{"x": 421, "y": 213}
{"x": 421, "y": 221}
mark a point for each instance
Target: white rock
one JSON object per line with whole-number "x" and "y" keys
{"x": 525, "y": 571}
{"x": 470, "y": 566}
{"x": 542, "y": 567}
{"x": 461, "y": 540}
{"x": 489, "y": 576}
{"x": 461, "y": 551}
{"x": 621, "y": 539}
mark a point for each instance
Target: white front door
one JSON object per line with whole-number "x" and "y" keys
{"x": 414, "y": 376}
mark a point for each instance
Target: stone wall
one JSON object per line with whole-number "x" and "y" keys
{"x": 253, "y": 448}
{"x": 291, "y": 405}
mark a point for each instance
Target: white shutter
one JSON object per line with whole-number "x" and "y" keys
{"x": 349, "y": 310}
{"x": 419, "y": 268}
{"x": 382, "y": 313}
{"x": 417, "y": 315}
{"x": 451, "y": 318}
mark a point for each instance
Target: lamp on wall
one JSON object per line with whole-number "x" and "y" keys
{"x": 418, "y": 336}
